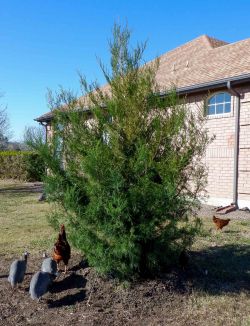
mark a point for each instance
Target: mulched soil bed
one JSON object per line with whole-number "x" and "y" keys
{"x": 83, "y": 298}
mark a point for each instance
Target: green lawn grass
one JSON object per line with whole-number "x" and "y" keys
{"x": 226, "y": 252}
{"x": 23, "y": 221}
{"x": 220, "y": 274}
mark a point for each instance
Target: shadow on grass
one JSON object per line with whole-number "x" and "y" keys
{"x": 231, "y": 231}
{"x": 81, "y": 265}
{"x": 220, "y": 270}
{"x": 71, "y": 288}
{"x": 73, "y": 281}
{"x": 68, "y": 300}
{"x": 214, "y": 271}
{"x": 33, "y": 188}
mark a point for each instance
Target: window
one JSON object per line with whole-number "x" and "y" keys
{"x": 219, "y": 103}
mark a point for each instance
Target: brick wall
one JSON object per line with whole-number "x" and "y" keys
{"x": 219, "y": 156}
{"x": 244, "y": 147}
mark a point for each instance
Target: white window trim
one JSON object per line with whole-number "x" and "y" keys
{"x": 220, "y": 115}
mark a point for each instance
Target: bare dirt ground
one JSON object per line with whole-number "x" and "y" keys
{"x": 214, "y": 290}
{"x": 83, "y": 298}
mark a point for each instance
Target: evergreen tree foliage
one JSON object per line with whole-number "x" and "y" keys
{"x": 127, "y": 173}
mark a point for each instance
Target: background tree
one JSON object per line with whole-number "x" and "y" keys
{"x": 34, "y": 134}
{"x": 127, "y": 174}
{"x": 35, "y": 164}
{"x": 4, "y": 127}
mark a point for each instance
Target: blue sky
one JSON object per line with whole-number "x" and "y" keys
{"x": 45, "y": 42}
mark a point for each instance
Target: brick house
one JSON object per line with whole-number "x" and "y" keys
{"x": 217, "y": 72}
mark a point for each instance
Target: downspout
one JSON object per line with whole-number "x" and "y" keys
{"x": 236, "y": 143}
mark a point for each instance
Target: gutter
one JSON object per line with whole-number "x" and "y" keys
{"x": 236, "y": 143}
{"x": 219, "y": 83}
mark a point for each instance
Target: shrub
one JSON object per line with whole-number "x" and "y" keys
{"x": 132, "y": 173}
{"x": 35, "y": 167}
{"x": 20, "y": 165}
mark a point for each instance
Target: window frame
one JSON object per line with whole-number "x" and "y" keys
{"x": 215, "y": 104}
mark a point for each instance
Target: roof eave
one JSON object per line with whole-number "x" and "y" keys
{"x": 49, "y": 117}
{"x": 221, "y": 83}
{"x": 43, "y": 120}
{"x": 197, "y": 88}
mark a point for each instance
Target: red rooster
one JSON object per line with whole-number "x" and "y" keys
{"x": 62, "y": 249}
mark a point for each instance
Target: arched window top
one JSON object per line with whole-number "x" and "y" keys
{"x": 219, "y": 103}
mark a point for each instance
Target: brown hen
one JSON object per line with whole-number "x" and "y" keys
{"x": 220, "y": 223}
{"x": 62, "y": 249}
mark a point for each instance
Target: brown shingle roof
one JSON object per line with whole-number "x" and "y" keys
{"x": 45, "y": 117}
{"x": 202, "y": 60}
